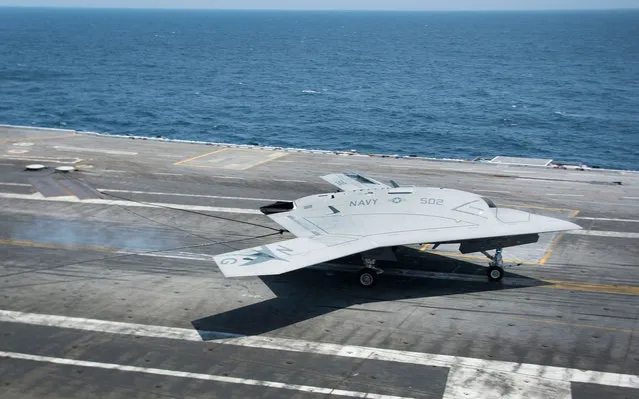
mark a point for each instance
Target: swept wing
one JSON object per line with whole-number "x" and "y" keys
{"x": 368, "y": 214}
{"x": 284, "y": 256}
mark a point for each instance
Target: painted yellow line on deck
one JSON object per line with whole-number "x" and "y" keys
{"x": 573, "y": 212}
{"x": 269, "y": 159}
{"x": 591, "y": 287}
{"x": 34, "y": 244}
{"x": 199, "y": 156}
{"x": 576, "y": 325}
{"x": 554, "y": 242}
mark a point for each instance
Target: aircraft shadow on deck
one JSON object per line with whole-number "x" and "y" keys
{"x": 308, "y": 293}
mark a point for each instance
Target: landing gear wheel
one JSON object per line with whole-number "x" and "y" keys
{"x": 367, "y": 278}
{"x": 495, "y": 273}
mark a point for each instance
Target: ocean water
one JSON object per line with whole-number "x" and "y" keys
{"x": 561, "y": 85}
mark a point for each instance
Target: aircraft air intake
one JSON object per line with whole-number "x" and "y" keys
{"x": 277, "y": 207}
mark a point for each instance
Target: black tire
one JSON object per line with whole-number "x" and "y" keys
{"x": 367, "y": 278}
{"x": 495, "y": 273}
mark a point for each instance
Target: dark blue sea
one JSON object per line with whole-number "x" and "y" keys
{"x": 561, "y": 85}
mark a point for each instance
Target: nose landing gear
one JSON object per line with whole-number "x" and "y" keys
{"x": 495, "y": 266}
{"x": 368, "y": 275}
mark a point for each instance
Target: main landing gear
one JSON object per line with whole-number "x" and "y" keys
{"x": 368, "y": 275}
{"x": 495, "y": 266}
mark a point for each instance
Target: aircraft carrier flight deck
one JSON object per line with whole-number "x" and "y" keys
{"x": 108, "y": 287}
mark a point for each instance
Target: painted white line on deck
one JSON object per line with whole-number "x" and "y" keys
{"x": 109, "y": 190}
{"x": 172, "y": 255}
{"x": 7, "y": 164}
{"x": 607, "y": 202}
{"x": 608, "y": 219}
{"x": 292, "y": 181}
{"x": 197, "y": 376}
{"x": 601, "y": 233}
{"x": 468, "y": 377}
{"x": 547, "y": 180}
{"x": 98, "y": 150}
{"x": 630, "y": 198}
{"x": 434, "y": 168}
{"x": 491, "y": 191}
{"x": 167, "y": 174}
{"x": 14, "y": 184}
{"x": 40, "y": 197}
{"x": 228, "y": 177}
{"x": 43, "y": 159}
{"x": 565, "y": 195}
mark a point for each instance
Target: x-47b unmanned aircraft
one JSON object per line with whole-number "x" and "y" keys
{"x": 366, "y": 216}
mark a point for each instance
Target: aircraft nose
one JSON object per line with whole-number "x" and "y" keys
{"x": 571, "y": 226}
{"x": 542, "y": 223}
{"x": 554, "y": 224}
